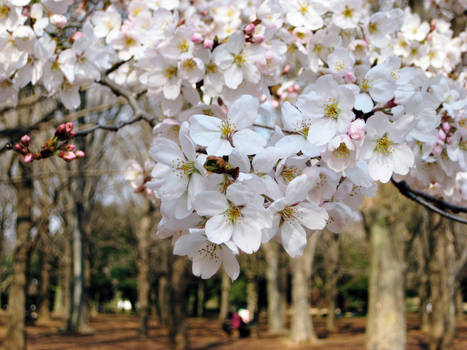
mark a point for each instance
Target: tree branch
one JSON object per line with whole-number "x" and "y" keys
{"x": 406, "y": 191}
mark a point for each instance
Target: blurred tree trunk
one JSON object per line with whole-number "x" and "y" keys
{"x": 275, "y": 316}
{"x": 225, "y": 290}
{"x": 460, "y": 317}
{"x": 251, "y": 293}
{"x": 68, "y": 265}
{"x": 144, "y": 233}
{"x": 163, "y": 287}
{"x": 423, "y": 256}
{"x": 177, "y": 316}
{"x": 302, "y": 326}
{"x": 44, "y": 251}
{"x": 386, "y": 323}
{"x": 442, "y": 287}
{"x": 332, "y": 275}
{"x": 15, "y": 338}
{"x": 200, "y": 299}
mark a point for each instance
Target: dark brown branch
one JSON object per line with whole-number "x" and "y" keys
{"x": 406, "y": 191}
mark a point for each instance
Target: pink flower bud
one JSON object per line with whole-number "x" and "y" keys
{"x": 25, "y": 139}
{"x": 446, "y": 127}
{"x": 58, "y": 21}
{"x": 208, "y": 43}
{"x": 249, "y": 28}
{"x": 349, "y": 78}
{"x": 77, "y": 36}
{"x": 437, "y": 150}
{"x": 449, "y": 140}
{"x": 69, "y": 126}
{"x": 28, "y": 158}
{"x": 356, "y": 130}
{"x": 286, "y": 69}
{"x": 258, "y": 39}
{"x": 18, "y": 148}
{"x": 197, "y": 38}
{"x": 68, "y": 156}
{"x": 26, "y": 11}
{"x": 79, "y": 154}
{"x": 441, "y": 135}
{"x": 70, "y": 148}
{"x": 61, "y": 128}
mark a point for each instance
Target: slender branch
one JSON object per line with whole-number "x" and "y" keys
{"x": 405, "y": 190}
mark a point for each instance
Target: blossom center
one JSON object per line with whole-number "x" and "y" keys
{"x": 233, "y": 214}
{"x": 4, "y": 10}
{"x": 170, "y": 72}
{"x": 288, "y": 174}
{"x": 384, "y": 145}
{"x": 182, "y": 46}
{"x": 288, "y": 213}
{"x": 239, "y": 60}
{"x": 304, "y": 127}
{"x": 348, "y": 12}
{"x": 341, "y": 152}
{"x": 189, "y": 64}
{"x": 373, "y": 27}
{"x": 227, "y": 129}
{"x": 209, "y": 251}
{"x": 183, "y": 167}
{"x": 331, "y": 109}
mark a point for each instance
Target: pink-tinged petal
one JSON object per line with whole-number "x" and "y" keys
{"x": 297, "y": 189}
{"x": 205, "y": 266}
{"x": 173, "y": 187}
{"x": 165, "y": 151}
{"x": 231, "y": 265}
{"x": 322, "y": 131}
{"x": 189, "y": 243}
{"x": 210, "y": 203}
{"x": 233, "y": 76}
{"x": 403, "y": 159}
{"x": 293, "y": 238}
{"x": 247, "y": 236}
{"x": 244, "y": 111}
{"x": 248, "y": 142}
{"x": 204, "y": 129}
{"x": 312, "y": 216}
{"x": 185, "y": 141}
{"x": 380, "y": 167}
{"x": 219, "y": 229}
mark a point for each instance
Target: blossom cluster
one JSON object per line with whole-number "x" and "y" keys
{"x": 278, "y": 115}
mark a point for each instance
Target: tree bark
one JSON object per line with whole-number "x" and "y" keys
{"x": 442, "y": 286}
{"x": 163, "y": 287}
{"x": 302, "y": 330}
{"x": 177, "y": 318}
{"x": 332, "y": 275}
{"x": 15, "y": 338}
{"x": 275, "y": 316}
{"x": 225, "y": 290}
{"x": 386, "y": 323}
{"x": 200, "y": 299}
{"x": 460, "y": 317}
{"x": 44, "y": 257}
{"x": 144, "y": 244}
{"x": 252, "y": 297}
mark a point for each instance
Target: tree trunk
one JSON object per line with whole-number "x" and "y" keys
{"x": 78, "y": 311}
{"x": 15, "y": 338}
{"x": 177, "y": 320}
{"x": 225, "y": 290}
{"x": 386, "y": 323}
{"x": 460, "y": 317}
{"x": 442, "y": 286}
{"x": 200, "y": 299}
{"x": 275, "y": 317}
{"x": 144, "y": 245}
{"x": 302, "y": 326}
{"x": 163, "y": 287}
{"x": 332, "y": 275}
{"x": 252, "y": 297}
{"x": 44, "y": 257}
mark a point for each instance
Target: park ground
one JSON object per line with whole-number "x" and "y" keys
{"x": 120, "y": 332}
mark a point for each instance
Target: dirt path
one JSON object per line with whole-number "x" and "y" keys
{"x": 119, "y": 332}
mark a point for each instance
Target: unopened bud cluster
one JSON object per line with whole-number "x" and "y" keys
{"x": 56, "y": 145}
